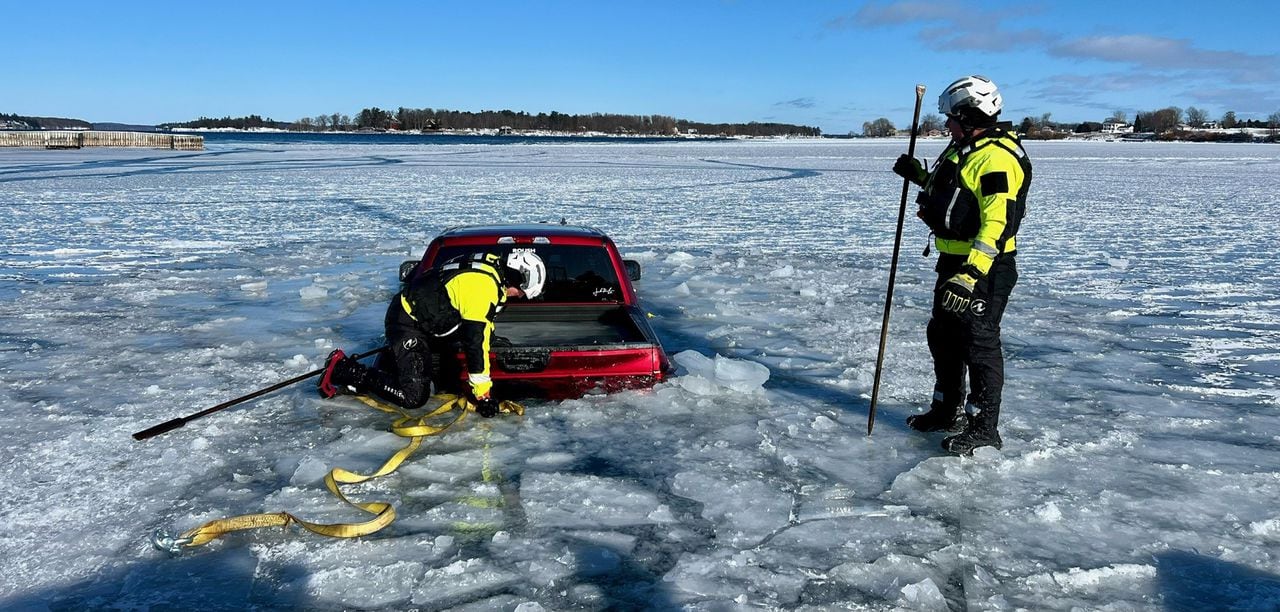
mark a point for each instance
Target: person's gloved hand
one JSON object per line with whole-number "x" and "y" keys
{"x": 957, "y": 292}
{"x": 486, "y": 406}
{"x": 909, "y": 168}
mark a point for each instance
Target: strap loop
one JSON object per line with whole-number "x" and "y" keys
{"x": 416, "y": 428}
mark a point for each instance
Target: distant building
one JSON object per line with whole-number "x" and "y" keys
{"x": 1111, "y": 126}
{"x": 1210, "y": 125}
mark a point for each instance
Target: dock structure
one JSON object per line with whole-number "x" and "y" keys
{"x": 65, "y": 139}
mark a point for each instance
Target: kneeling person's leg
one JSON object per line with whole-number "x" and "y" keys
{"x": 406, "y": 379}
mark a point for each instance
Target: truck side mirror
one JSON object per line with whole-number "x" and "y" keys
{"x": 406, "y": 270}
{"x": 633, "y": 268}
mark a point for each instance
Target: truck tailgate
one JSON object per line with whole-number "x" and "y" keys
{"x": 563, "y": 352}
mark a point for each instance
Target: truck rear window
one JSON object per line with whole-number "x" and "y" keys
{"x": 574, "y": 273}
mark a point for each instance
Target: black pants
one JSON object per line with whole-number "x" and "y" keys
{"x": 971, "y": 340}
{"x": 403, "y": 375}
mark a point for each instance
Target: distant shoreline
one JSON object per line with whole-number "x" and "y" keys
{"x": 482, "y": 133}
{"x": 195, "y": 138}
{"x": 1256, "y": 135}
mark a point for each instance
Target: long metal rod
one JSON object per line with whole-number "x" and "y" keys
{"x": 893, "y": 266}
{"x": 180, "y": 421}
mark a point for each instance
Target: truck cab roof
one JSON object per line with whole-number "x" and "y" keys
{"x": 523, "y": 230}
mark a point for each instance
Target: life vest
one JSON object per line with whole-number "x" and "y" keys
{"x": 426, "y": 299}
{"x": 950, "y": 207}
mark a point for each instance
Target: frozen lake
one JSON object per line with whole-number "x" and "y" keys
{"x": 1141, "y": 466}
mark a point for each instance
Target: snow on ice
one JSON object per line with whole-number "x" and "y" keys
{"x": 1141, "y": 466}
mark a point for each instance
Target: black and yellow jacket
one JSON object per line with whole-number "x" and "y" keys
{"x": 460, "y": 297}
{"x": 975, "y": 196}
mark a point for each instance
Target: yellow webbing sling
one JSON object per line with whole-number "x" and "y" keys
{"x": 413, "y": 427}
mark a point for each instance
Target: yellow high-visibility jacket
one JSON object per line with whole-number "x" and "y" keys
{"x": 975, "y": 197}
{"x": 463, "y": 298}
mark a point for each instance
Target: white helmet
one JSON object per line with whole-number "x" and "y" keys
{"x": 531, "y": 267}
{"x": 972, "y": 98}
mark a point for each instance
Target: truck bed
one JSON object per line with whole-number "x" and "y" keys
{"x": 568, "y": 326}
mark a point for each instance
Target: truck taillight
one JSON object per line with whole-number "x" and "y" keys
{"x": 524, "y": 240}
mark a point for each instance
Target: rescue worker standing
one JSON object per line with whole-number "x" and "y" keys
{"x": 440, "y": 310}
{"x": 973, "y": 200}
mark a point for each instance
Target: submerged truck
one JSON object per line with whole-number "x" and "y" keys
{"x": 586, "y": 333}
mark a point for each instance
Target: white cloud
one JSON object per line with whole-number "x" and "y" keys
{"x": 952, "y": 38}
{"x": 1093, "y": 91}
{"x": 954, "y": 26}
{"x": 960, "y": 26}
{"x": 1161, "y": 53}
{"x": 797, "y": 103}
{"x": 893, "y": 13}
{"x": 1246, "y": 102}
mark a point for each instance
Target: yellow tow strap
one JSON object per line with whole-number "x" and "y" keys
{"x": 413, "y": 427}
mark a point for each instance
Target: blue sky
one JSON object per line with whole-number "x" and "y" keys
{"x": 833, "y": 65}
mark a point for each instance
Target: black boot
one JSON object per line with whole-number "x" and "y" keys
{"x": 342, "y": 374}
{"x": 939, "y": 418}
{"x": 981, "y": 431}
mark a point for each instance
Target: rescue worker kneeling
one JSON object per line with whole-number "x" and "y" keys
{"x": 443, "y": 309}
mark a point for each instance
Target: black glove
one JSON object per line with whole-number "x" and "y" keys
{"x": 487, "y": 407}
{"x": 957, "y": 292}
{"x": 909, "y": 168}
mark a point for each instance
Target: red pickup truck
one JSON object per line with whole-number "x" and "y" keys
{"x": 586, "y": 332}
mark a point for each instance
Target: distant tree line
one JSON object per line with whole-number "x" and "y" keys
{"x": 429, "y": 119}
{"x": 250, "y": 122}
{"x": 21, "y": 122}
{"x": 1170, "y": 123}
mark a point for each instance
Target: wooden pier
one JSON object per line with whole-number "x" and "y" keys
{"x": 78, "y": 139}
